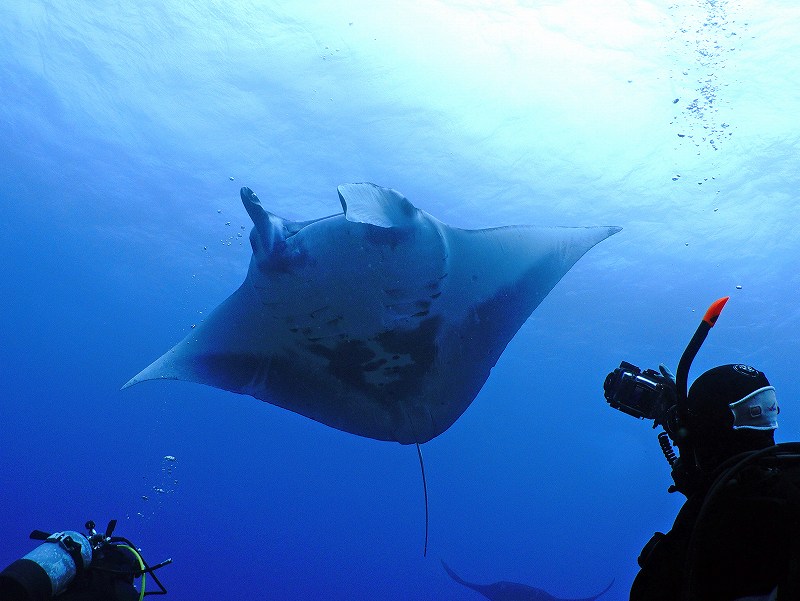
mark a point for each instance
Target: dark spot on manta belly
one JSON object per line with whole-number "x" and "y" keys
{"x": 350, "y": 360}
{"x": 346, "y": 360}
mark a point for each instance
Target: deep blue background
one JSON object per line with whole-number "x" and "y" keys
{"x": 120, "y": 128}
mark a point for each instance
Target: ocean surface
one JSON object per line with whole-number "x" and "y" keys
{"x": 126, "y": 131}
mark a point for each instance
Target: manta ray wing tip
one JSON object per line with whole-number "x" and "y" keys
{"x": 134, "y": 380}
{"x": 143, "y": 376}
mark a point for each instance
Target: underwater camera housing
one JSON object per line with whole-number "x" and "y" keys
{"x": 643, "y": 394}
{"x": 659, "y": 396}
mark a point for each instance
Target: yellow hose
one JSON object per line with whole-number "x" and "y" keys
{"x": 141, "y": 567}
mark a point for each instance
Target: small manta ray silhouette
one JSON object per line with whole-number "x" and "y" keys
{"x": 513, "y": 591}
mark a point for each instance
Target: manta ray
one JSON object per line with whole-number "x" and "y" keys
{"x": 513, "y": 591}
{"x": 381, "y": 320}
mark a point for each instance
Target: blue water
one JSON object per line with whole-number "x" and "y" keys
{"x": 126, "y": 130}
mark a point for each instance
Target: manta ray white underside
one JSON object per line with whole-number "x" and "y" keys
{"x": 381, "y": 321}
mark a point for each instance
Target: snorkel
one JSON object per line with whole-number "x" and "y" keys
{"x": 689, "y": 353}
{"x": 685, "y": 469}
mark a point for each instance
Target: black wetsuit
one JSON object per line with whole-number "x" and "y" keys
{"x": 741, "y": 540}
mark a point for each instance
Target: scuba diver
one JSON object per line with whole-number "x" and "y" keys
{"x": 737, "y": 535}
{"x": 70, "y": 566}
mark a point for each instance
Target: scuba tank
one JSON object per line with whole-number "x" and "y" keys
{"x": 49, "y": 569}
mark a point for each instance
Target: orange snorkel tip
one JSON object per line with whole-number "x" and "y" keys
{"x": 714, "y": 310}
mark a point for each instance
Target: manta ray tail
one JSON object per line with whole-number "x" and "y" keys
{"x": 424, "y": 482}
{"x": 453, "y": 575}
{"x": 601, "y": 593}
{"x": 425, "y": 492}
